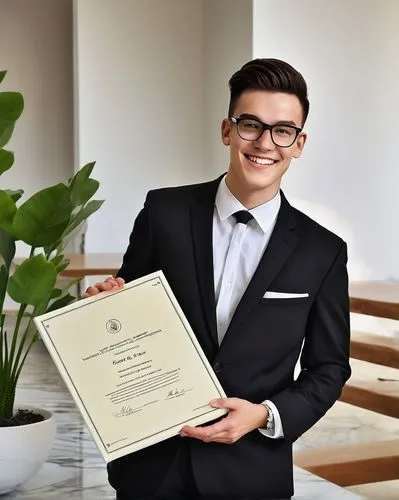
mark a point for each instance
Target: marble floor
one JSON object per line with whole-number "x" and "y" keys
{"x": 75, "y": 469}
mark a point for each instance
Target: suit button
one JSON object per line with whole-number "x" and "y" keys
{"x": 217, "y": 367}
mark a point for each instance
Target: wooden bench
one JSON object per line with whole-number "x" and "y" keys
{"x": 351, "y": 464}
{"x": 376, "y": 349}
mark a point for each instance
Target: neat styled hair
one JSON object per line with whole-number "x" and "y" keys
{"x": 272, "y": 75}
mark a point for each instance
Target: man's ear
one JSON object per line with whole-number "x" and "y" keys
{"x": 299, "y": 145}
{"x": 225, "y": 131}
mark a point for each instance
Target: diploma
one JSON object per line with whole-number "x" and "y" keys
{"x": 132, "y": 364}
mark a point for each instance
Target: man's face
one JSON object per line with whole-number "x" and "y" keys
{"x": 256, "y": 166}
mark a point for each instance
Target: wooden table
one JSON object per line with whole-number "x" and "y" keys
{"x": 90, "y": 264}
{"x": 375, "y": 298}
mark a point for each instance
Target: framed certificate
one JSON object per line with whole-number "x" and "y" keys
{"x": 132, "y": 364}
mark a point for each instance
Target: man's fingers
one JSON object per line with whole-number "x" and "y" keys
{"x": 206, "y": 432}
{"x": 114, "y": 282}
{"x": 104, "y": 286}
{"x": 91, "y": 291}
{"x": 224, "y": 436}
{"x": 109, "y": 282}
{"x": 228, "y": 403}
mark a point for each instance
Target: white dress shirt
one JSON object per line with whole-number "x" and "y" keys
{"x": 237, "y": 250}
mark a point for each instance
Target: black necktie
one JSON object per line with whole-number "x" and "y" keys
{"x": 243, "y": 216}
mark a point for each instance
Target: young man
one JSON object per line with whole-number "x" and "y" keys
{"x": 257, "y": 279}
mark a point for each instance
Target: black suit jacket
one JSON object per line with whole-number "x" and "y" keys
{"x": 258, "y": 354}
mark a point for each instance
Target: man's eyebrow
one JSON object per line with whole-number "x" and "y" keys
{"x": 280, "y": 122}
{"x": 286, "y": 122}
{"x": 251, "y": 117}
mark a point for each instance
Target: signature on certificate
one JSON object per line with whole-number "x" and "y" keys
{"x": 123, "y": 412}
{"x": 174, "y": 393}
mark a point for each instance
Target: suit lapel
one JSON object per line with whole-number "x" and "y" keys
{"x": 202, "y": 227}
{"x": 282, "y": 243}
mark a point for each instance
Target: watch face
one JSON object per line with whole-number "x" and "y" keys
{"x": 270, "y": 419}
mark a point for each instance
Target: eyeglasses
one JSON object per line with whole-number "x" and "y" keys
{"x": 250, "y": 129}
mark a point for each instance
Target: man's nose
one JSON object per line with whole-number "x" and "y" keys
{"x": 265, "y": 140}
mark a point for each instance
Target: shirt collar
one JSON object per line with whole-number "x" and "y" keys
{"x": 226, "y": 204}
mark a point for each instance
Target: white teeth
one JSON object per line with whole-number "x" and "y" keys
{"x": 261, "y": 161}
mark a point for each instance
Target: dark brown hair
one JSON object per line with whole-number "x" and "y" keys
{"x": 272, "y": 75}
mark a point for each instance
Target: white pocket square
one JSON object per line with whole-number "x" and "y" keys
{"x": 283, "y": 295}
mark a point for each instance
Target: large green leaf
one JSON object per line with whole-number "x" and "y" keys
{"x": 82, "y": 188}
{"x": 60, "y": 262}
{"x": 33, "y": 281}
{"x": 42, "y": 219}
{"x": 6, "y": 160}
{"x": 2, "y": 75}
{"x": 11, "y": 107}
{"x": 87, "y": 190}
{"x": 3, "y": 285}
{"x": 82, "y": 215}
{"x": 7, "y": 252}
{"x": 56, "y": 292}
{"x": 7, "y": 248}
{"x": 8, "y": 210}
{"x": 5, "y": 136}
{"x": 62, "y": 302}
{"x": 57, "y": 260}
{"x": 64, "y": 264}
{"x": 15, "y": 194}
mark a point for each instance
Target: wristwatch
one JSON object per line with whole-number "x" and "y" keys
{"x": 270, "y": 419}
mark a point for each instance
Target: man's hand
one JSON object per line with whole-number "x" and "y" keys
{"x": 104, "y": 286}
{"x": 243, "y": 417}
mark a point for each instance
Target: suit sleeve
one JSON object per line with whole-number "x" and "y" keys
{"x": 325, "y": 356}
{"x": 138, "y": 259}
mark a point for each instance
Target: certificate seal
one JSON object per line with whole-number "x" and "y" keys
{"x": 113, "y": 326}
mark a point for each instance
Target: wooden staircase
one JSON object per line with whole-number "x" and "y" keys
{"x": 362, "y": 463}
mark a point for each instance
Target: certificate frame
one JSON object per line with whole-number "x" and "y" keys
{"x": 61, "y": 333}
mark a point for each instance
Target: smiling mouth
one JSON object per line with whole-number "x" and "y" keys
{"x": 265, "y": 162}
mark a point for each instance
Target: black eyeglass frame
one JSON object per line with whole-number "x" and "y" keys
{"x": 265, "y": 126}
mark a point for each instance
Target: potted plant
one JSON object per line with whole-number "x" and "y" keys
{"x": 45, "y": 222}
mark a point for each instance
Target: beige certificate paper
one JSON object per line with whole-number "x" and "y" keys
{"x": 132, "y": 364}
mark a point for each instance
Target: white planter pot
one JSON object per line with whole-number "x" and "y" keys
{"x": 24, "y": 448}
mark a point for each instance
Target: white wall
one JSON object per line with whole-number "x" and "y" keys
{"x": 348, "y": 176}
{"x": 227, "y": 46}
{"x": 36, "y": 49}
{"x": 139, "y": 82}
